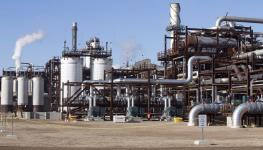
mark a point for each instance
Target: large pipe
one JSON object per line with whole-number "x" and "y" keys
{"x": 169, "y": 101}
{"x": 248, "y": 54}
{"x": 74, "y": 36}
{"x": 211, "y": 42}
{"x": 250, "y": 108}
{"x": 189, "y": 70}
{"x": 237, "y": 19}
{"x": 202, "y": 108}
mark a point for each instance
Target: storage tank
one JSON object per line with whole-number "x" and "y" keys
{"x": 22, "y": 92}
{"x": 38, "y": 93}
{"x": 7, "y": 94}
{"x": 99, "y": 66}
{"x": 71, "y": 71}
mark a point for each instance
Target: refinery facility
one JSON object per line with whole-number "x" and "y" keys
{"x": 215, "y": 71}
{"x": 201, "y": 91}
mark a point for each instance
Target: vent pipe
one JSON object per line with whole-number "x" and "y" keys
{"x": 74, "y": 36}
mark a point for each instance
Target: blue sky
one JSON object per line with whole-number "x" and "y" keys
{"x": 116, "y": 21}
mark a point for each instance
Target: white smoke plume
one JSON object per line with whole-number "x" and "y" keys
{"x": 130, "y": 49}
{"x": 21, "y": 43}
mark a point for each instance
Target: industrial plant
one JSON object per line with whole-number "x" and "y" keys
{"x": 216, "y": 71}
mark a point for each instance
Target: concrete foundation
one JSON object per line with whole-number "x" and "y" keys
{"x": 38, "y": 108}
{"x": 6, "y": 108}
{"x": 42, "y": 115}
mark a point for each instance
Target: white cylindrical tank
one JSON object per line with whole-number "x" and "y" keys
{"x": 38, "y": 93}
{"x": 7, "y": 94}
{"x": 71, "y": 71}
{"x": 22, "y": 91}
{"x": 99, "y": 66}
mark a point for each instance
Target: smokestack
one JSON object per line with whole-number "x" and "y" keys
{"x": 74, "y": 36}
{"x": 175, "y": 20}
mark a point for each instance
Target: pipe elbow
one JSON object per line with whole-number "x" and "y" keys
{"x": 193, "y": 114}
{"x": 219, "y": 21}
{"x": 190, "y": 66}
{"x": 238, "y": 114}
{"x": 202, "y": 108}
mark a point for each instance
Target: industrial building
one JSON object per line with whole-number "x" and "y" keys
{"x": 215, "y": 71}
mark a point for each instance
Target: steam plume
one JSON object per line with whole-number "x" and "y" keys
{"x": 21, "y": 43}
{"x": 130, "y": 48}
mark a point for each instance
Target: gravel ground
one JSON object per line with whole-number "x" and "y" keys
{"x": 56, "y": 135}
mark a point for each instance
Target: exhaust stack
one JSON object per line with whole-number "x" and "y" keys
{"x": 175, "y": 20}
{"x": 74, "y": 36}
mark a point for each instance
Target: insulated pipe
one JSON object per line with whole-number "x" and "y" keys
{"x": 91, "y": 91}
{"x": 165, "y": 102}
{"x": 132, "y": 101}
{"x": 128, "y": 102}
{"x": 94, "y": 100}
{"x": 118, "y": 91}
{"x": 169, "y": 101}
{"x": 248, "y": 54}
{"x": 202, "y": 108}
{"x": 161, "y": 90}
{"x": 90, "y": 102}
{"x": 189, "y": 69}
{"x": 237, "y": 19}
{"x": 250, "y": 108}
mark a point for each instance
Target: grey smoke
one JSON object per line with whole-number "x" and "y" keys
{"x": 130, "y": 49}
{"x": 21, "y": 43}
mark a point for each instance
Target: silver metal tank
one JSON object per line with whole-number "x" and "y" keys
{"x": 71, "y": 71}
{"x": 7, "y": 94}
{"x": 22, "y": 92}
{"x": 99, "y": 66}
{"x": 38, "y": 93}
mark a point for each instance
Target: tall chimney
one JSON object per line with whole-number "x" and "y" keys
{"x": 74, "y": 36}
{"x": 175, "y": 20}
